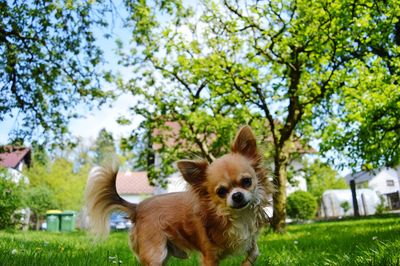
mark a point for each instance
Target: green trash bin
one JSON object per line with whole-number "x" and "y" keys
{"x": 53, "y": 220}
{"x": 68, "y": 220}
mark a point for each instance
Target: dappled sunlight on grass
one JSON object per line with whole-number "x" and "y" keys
{"x": 370, "y": 241}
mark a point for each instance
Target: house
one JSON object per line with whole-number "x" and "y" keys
{"x": 333, "y": 200}
{"x": 134, "y": 186}
{"x": 15, "y": 157}
{"x": 384, "y": 181}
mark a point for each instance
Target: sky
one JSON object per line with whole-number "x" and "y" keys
{"x": 96, "y": 119}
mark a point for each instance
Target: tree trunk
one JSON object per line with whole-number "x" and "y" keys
{"x": 37, "y": 222}
{"x": 279, "y": 197}
{"x": 354, "y": 197}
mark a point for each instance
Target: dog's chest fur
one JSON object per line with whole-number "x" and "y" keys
{"x": 243, "y": 231}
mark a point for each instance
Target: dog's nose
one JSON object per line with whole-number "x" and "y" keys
{"x": 238, "y": 197}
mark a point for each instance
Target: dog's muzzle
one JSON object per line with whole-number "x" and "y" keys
{"x": 239, "y": 200}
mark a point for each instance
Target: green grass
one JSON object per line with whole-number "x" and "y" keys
{"x": 374, "y": 241}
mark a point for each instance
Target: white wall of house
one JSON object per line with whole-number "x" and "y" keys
{"x": 367, "y": 201}
{"x": 398, "y": 173}
{"x": 17, "y": 176}
{"x": 20, "y": 166}
{"x": 176, "y": 183}
{"x": 135, "y": 198}
{"x": 385, "y": 181}
{"x": 299, "y": 182}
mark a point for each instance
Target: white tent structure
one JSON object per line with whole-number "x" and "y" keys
{"x": 332, "y": 199}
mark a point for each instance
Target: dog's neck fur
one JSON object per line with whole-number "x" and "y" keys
{"x": 239, "y": 227}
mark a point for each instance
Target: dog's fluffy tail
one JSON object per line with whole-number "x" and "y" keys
{"x": 101, "y": 198}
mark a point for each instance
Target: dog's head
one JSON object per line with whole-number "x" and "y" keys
{"x": 231, "y": 181}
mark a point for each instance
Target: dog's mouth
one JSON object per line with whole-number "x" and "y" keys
{"x": 240, "y": 205}
{"x": 239, "y": 199}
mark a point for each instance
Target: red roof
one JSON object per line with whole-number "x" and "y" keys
{"x": 133, "y": 183}
{"x": 170, "y": 134}
{"x": 11, "y": 156}
{"x": 171, "y": 131}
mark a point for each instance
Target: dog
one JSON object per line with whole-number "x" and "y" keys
{"x": 221, "y": 214}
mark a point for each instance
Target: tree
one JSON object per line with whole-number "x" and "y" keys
{"x": 104, "y": 147}
{"x": 39, "y": 199}
{"x": 320, "y": 177}
{"x": 301, "y": 205}
{"x": 10, "y": 199}
{"x": 62, "y": 179}
{"x": 345, "y": 205}
{"x": 50, "y": 64}
{"x": 365, "y": 131}
{"x": 363, "y": 127}
{"x": 281, "y": 66}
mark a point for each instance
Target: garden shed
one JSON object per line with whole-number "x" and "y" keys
{"x": 332, "y": 202}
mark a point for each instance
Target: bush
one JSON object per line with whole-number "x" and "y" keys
{"x": 10, "y": 199}
{"x": 380, "y": 208}
{"x": 301, "y": 205}
{"x": 345, "y": 206}
{"x": 39, "y": 199}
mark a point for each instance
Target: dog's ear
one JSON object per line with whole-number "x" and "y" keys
{"x": 245, "y": 143}
{"x": 194, "y": 172}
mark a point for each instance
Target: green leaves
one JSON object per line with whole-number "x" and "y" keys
{"x": 50, "y": 64}
{"x": 11, "y": 195}
{"x": 320, "y": 177}
{"x": 301, "y": 205}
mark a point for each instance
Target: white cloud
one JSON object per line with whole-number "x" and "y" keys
{"x": 106, "y": 117}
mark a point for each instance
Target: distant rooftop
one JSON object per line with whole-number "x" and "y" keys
{"x": 171, "y": 138}
{"x": 11, "y": 156}
{"x": 364, "y": 176}
{"x": 133, "y": 183}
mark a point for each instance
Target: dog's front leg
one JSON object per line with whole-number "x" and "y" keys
{"x": 252, "y": 255}
{"x": 209, "y": 259}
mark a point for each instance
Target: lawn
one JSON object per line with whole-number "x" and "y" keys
{"x": 373, "y": 241}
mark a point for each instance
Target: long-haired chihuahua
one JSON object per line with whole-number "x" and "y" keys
{"x": 221, "y": 214}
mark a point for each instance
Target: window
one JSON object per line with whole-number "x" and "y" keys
{"x": 390, "y": 183}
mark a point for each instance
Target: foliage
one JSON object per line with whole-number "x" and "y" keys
{"x": 59, "y": 176}
{"x": 363, "y": 126}
{"x": 10, "y": 199}
{"x": 50, "y": 64}
{"x": 103, "y": 148}
{"x": 356, "y": 242}
{"x": 345, "y": 205}
{"x": 320, "y": 177}
{"x": 39, "y": 199}
{"x": 381, "y": 207}
{"x": 301, "y": 205}
{"x": 280, "y": 66}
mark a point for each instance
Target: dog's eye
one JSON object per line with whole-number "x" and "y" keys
{"x": 246, "y": 182}
{"x": 222, "y": 191}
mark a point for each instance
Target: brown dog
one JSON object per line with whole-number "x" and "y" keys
{"x": 221, "y": 213}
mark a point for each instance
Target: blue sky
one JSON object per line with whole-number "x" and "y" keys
{"x": 96, "y": 119}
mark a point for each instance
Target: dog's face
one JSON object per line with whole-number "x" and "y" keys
{"x": 230, "y": 181}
